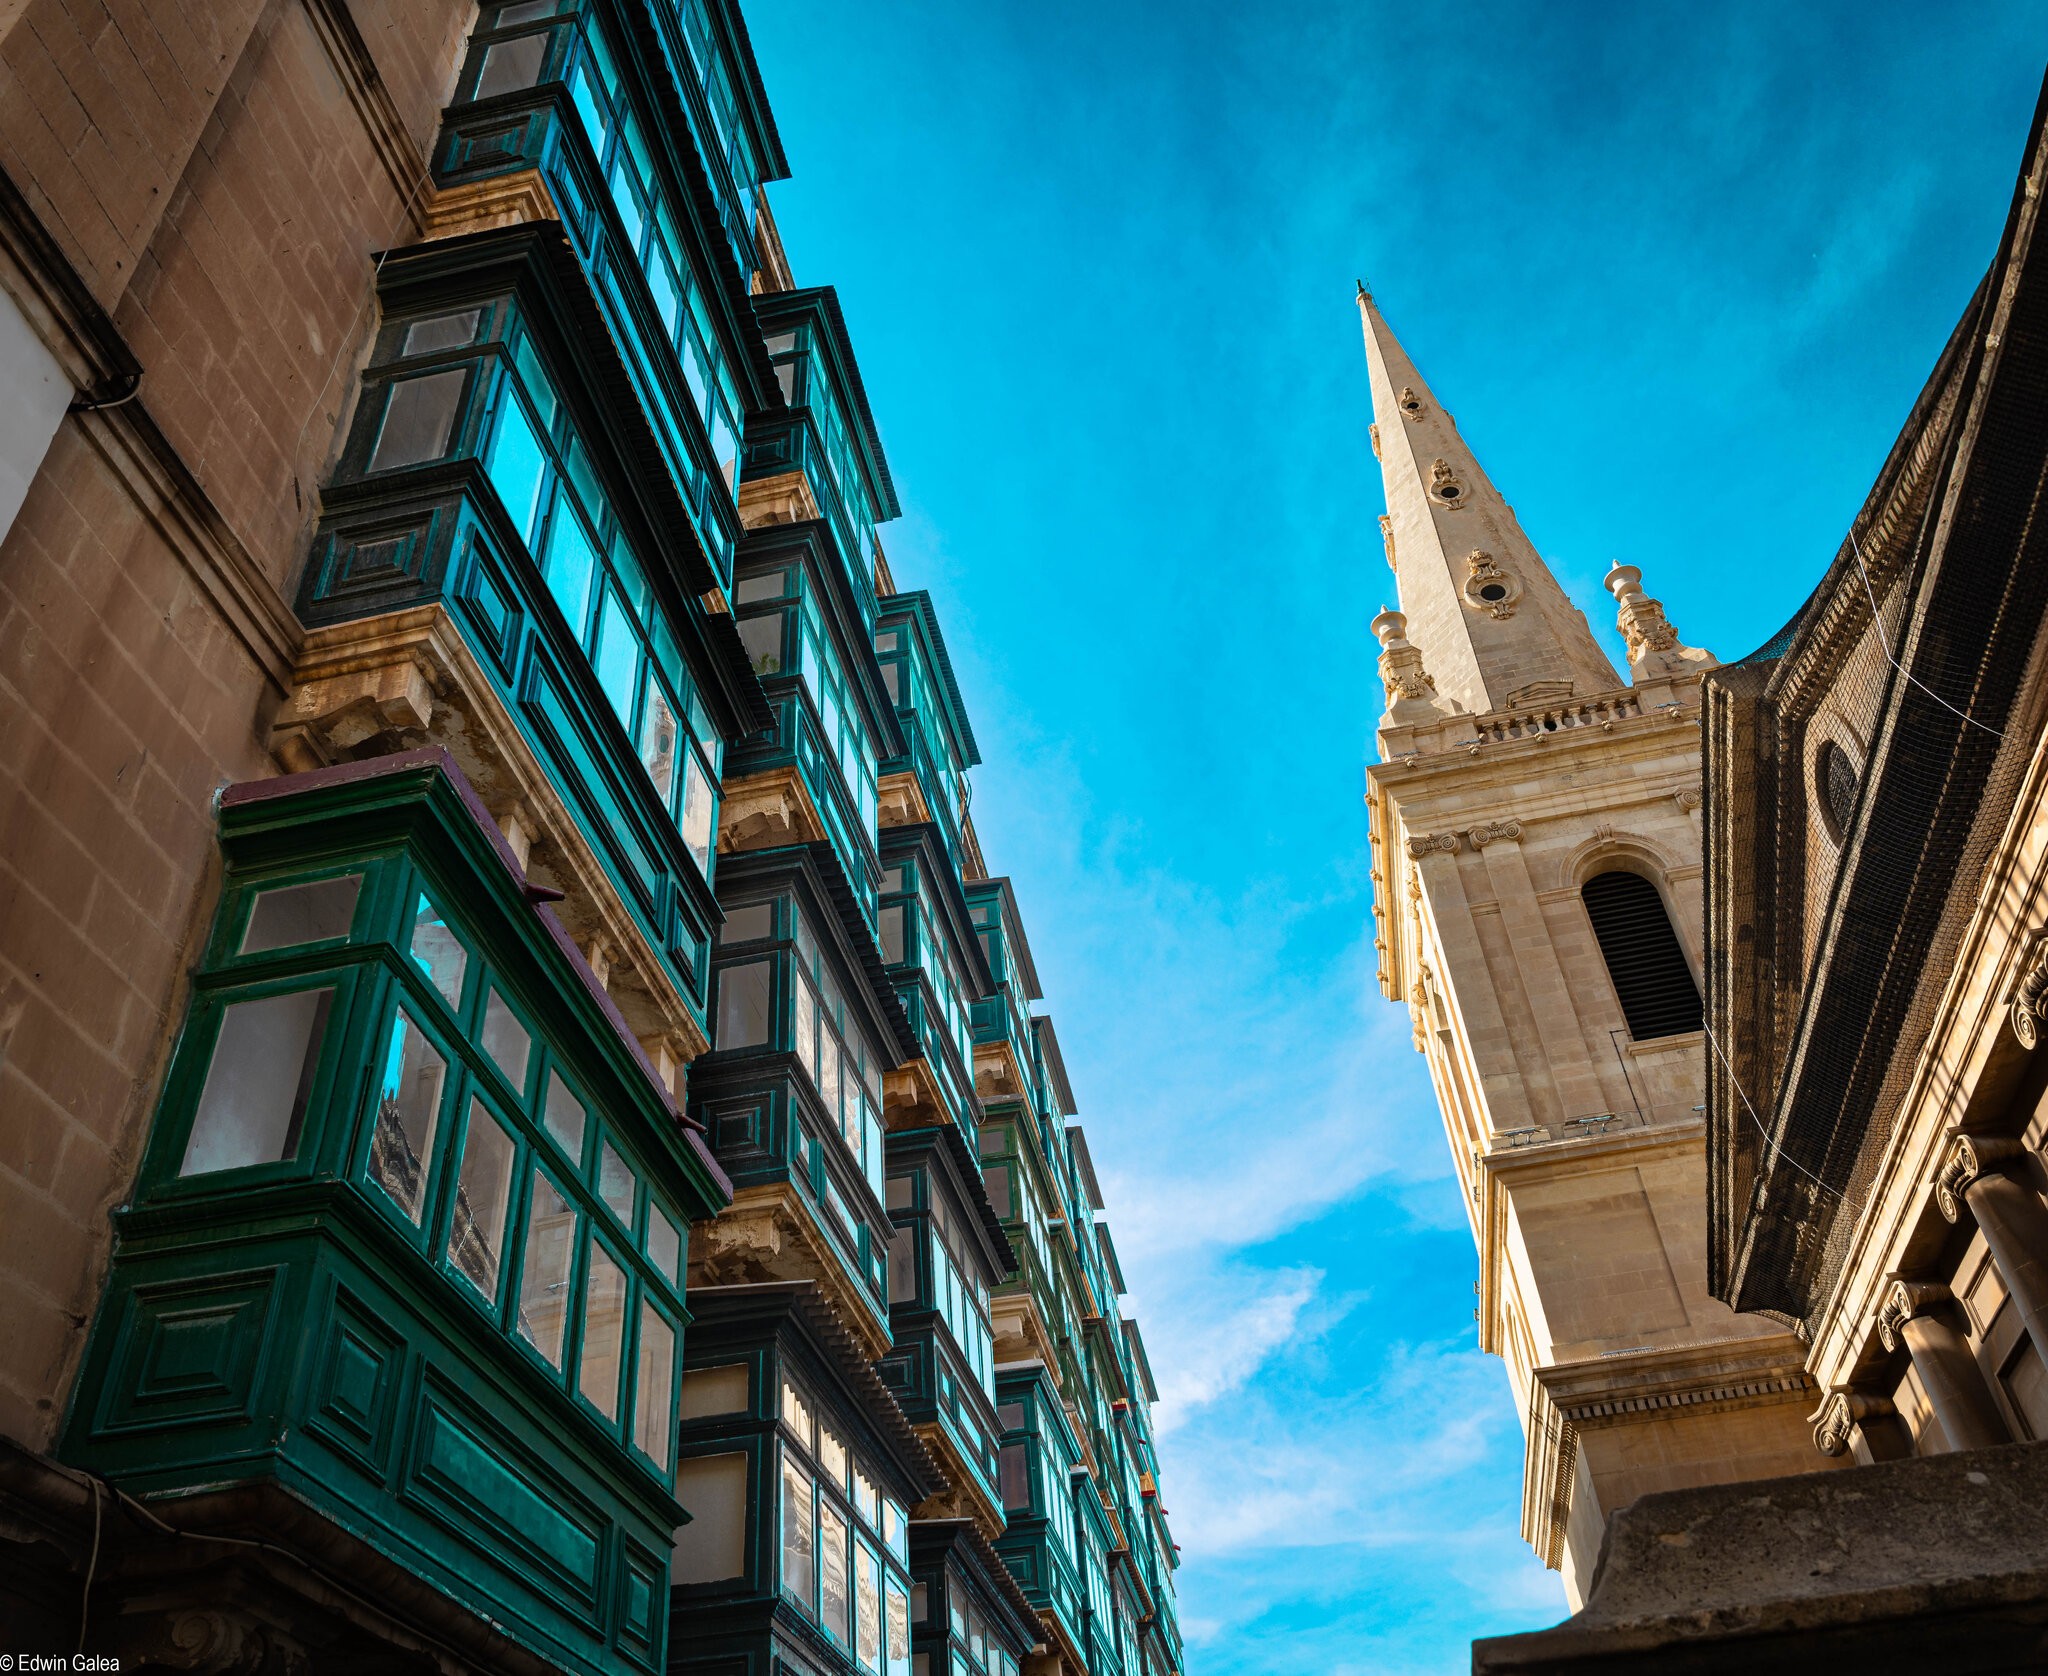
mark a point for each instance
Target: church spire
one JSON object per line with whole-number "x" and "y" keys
{"x": 1490, "y": 621}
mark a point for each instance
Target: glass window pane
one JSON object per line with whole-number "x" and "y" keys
{"x": 658, "y": 743}
{"x": 441, "y": 331}
{"x": 868, "y": 1609}
{"x": 696, "y": 822}
{"x": 664, "y": 1243}
{"x": 544, "y": 1274}
{"x": 483, "y": 1195}
{"x": 654, "y": 1395}
{"x": 515, "y": 460}
{"x": 615, "y": 1183}
{"x": 261, "y": 1076}
{"x": 713, "y": 1391}
{"x": 604, "y": 1331}
{"x": 902, "y": 1265}
{"x": 890, "y": 923}
{"x": 419, "y": 417}
{"x": 1015, "y": 1476}
{"x": 408, "y": 1112}
{"x": 762, "y": 637}
{"x": 832, "y": 1456}
{"x": 618, "y": 657}
{"x": 295, "y": 914}
{"x": 749, "y": 924}
{"x": 751, "y": 588}
{"x": 807, "y": 1028}
{"x": 835, "y": 1605}
{"x": 511, "y": 65}
{"x": 899, "y": 1632}
{"x": 437, "y": 951}
{"x": 796, "y": 1415}
{"x": 799, "y": 1538}
{"x": 570, "y": 564}
{"x": 565, "y": 1117}
{"x": 506, "y": 1040}
{"x": 743, "y": 993}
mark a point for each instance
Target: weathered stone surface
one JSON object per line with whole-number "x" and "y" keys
{"x": 1931, "y": 1564}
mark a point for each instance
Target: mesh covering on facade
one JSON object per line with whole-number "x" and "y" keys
{"x": 1836, "y": 904}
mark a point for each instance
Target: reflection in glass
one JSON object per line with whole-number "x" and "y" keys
{"x": 899, "y": 1632}
{"x": 749, "y": 924}
{"x": 743, "y": 1005}
{"x": 654, "y": 1393}
{"x": 408, "y": 1110}
{"x": 868, "y": 1616}
{"x": 437, "y": 952}
{"x": 832, "y": 1456}
{"x": 506, "y": 1040}
{"x": 441, "y": 331}
{"x": 564, "y": 1116}
{"x": 604, "y": 1332}
{"x": 483, "y": 1195}
{"x": 835, "y": 1607}
{"x": 658, "y": 743}
{"x": 618, "y": 657}
{"x": 664, "y": 1244}
{"x": 696, "y": 822}
{"x": 295, "y": 914}
{"x": 799, "y": 1537}
{"x": 615, "y": 1183}
{"x": 258, "y": 1083}
{"x": 571, "y": 560}
{"x": 511, "y": 65}
{"x": 762, "y": 637}
{"x": 544, "y": 1276}
{"x": 514, "y": 461}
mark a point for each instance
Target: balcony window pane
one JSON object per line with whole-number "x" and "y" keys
{"x": 799, "y": 1538}
{"x": 714, "y": 1391}
{"x": 506, "y": 1041}
{"x": 890, "y": 923}
{"x": 749, "y": 924}
{"x": 408, "y": 1111}
{"x": 654, "y": 1395}
{"x": 618, "y": 657}
{"x": 899, "y": 1632}
{"x": 807, "y": 1028}
{"x": 835, "y": 1606}
{"x": 658, "y": 743}
{"x": 437, "y": 952}
{"x": 762, "y": 637}
{"x": 1015, "y": 1475}
{"x": 565, "y": 1118}
{"x": 511, "y": 65}
{"x": 832, "y": 1456}
{"x": 615, "y": 1183}
{"x": 796, "y": 1415}
{"x": 441, "y": 331}
{"x": 294, "y": 914}
{"x": 868, "y": 1609}
{"x": 257, "y": 1086}
{"x": 712, "y": 1547}
{"x": 997, "y": 1179}
{"x": 664, "y": 1244}
{"x": 725, "y": 444}
{"x": 571, "y": 562}
{"x": 544, "y": 1275}
{"x": 696, "y": 825}
{"x": 743, "y": 993}
{"x": 771, "y": 586}
{"x": 604, "y": 1331}
{"x": 514, "y": 462}
{"x": 902, "y": 1265}
{"x": 419, "y": 417}
{"x": 483, "y": 1195}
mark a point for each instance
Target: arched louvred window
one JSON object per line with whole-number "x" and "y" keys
{"x": 1651, "y": 978}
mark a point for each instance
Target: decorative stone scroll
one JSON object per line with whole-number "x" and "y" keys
{"x": 2030, "y": 1002}
{"x": 1493, "y": 831}
{"x": 1688, "y": 798}
{"x": 1387, "y": 535}
{"x": 1967, "y": 1158}
{"x": 1903, "y": 1301}
{"x": 1836, "y": 1420}
{"x": 1427, "y": 842}
{"x": 1374, "y": 430}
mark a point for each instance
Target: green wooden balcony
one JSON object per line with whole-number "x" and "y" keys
{"x": 967, "y": 1611}
{"x": 1040, "y": 1544}
{"x": 936, "y": 962}
{"x": 1003, "y": 1053}
{"x": 407, "y": 1239}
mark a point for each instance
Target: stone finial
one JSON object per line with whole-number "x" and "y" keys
{"x": 1411, "y": 694}
{"x": 1903, "y": 1300}
{"x": 1840, "y": 1413}
{"x": 1967, "y": 1158}
{"x": 1653, "y": 644}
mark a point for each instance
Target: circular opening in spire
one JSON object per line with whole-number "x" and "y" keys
{"x": 1450, "y": 491}
{"x": 1493, "y": 591}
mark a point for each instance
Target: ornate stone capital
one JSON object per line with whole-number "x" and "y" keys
{"x": 1688, "y": 798}
{"x": 2029, "y": 1002}
{"x": 1422, "y": 844}
{"x": 1903, "y": 1300}
{"x": 1493, "y": 831}
{"x": 1967, "y": 1158}
{"x": 1840, "y": 1413}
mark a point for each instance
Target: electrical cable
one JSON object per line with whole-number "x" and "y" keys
{"x": 1877, "y": 622}
{"x": 1759, "y": 1122}
{"x": 92, "y": 1565}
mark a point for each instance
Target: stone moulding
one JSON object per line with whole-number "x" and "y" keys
{"x": 411, "y": 677}
{"x": 768, "y": 810}
{"x": 768, "y": 1233}
{"x": 1491, "y": 832}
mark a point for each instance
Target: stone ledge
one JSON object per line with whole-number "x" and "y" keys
{"x": 1936, "y": 1564}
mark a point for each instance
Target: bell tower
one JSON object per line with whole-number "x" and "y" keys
{"x": 1536, "y": 877}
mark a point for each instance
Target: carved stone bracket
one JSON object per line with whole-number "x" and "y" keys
{"x": 2030, "y": 1002}
{"x": 1493, "y": 832}
{"x": 1835, "y": 1422}
{"x": 767, "y": 810}
{"x": 1387, "y": 536}
{"x": 1374, "y": 431}
{"x": 1967, "y": 1158}
{"x": 1903, "y": 1300}
{"x": 1424, "y": 843}
{"x": 770, "y": 1233}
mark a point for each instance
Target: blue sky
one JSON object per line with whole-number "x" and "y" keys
{"x": 1679, "y": 271}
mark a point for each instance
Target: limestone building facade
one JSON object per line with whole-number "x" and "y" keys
{"x": 1535, "y": 829}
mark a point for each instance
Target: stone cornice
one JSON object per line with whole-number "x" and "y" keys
{"x": 1735, "y": 1372}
